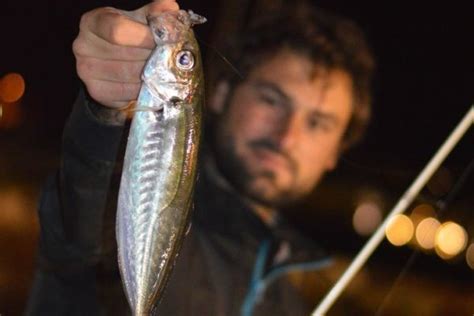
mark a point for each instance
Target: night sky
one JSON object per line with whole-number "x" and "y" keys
{"x": 423, "y": 84}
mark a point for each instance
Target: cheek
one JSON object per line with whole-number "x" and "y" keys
{"x": 249, "y": 120}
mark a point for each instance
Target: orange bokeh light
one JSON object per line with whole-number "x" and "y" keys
{"x": 400, "y": 230}
{"x": 12, "y": 87}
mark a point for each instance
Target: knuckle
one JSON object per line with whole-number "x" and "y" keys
{"x": 88, "y": 18}
{"x": 110, "y": 11}
{"x": 78, "y": 46}
{"x": 84, "y": 21}
{"x": 81, "y": 74}
{"x": 100, "y": 21}
{"x": 94, "y": 92}
{"x": 83, "y": 68}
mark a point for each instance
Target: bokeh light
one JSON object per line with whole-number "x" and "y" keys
{"x": 15, "y": 206}
{"x": 420, "y": 212}
{"x": 400, "y": 230}
{"x": 450, "y": 240}
{"x": 12, "y": 87}
{"x": 470, "y": 256}
{"x": 425, "y": 232}
{"x": 10, "y": 115}
{"x": 367, "y": 217}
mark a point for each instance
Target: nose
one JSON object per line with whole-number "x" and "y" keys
{"x": 289, "y": 131}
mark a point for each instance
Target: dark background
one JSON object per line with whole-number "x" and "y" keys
{"x": 422, "y": 88}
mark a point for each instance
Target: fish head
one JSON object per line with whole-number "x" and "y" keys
{"x": 174, "y": 71}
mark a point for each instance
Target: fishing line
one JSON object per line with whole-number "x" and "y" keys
{"x": 441, "y": 205}
{"x": 214, "y": 49}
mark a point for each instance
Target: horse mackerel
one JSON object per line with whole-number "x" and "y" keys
{"x": 156, "y": 189}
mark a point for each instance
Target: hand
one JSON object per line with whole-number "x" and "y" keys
{"x": 111, "y": 50}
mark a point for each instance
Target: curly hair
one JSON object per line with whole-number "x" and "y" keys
{"x": 329, "y": 41}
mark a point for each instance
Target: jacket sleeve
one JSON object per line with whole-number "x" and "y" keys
{"x": 71, "y": 211}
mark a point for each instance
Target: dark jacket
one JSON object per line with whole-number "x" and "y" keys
{"x": 230, "y": 263}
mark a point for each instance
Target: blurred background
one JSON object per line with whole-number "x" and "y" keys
{"x": 423, "y": 87}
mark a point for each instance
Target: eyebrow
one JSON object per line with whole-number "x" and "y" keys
{"x": 329, "y": 118}
{"x": 262, "y": 84}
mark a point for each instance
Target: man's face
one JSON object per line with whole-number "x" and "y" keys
{"x": 280, "y": 129}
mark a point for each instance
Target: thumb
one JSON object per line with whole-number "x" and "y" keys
{"x": 154, "y": 8}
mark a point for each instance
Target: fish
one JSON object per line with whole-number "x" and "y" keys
{"x": 159, "y": 168}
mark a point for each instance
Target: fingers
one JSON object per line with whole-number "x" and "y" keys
{"x": 111, "y": 50}
{"x": 112, "y": 94}
{"x": 124, "y": 28}
{"x": 153, "y": 8}
{"x": 116, "y": 28}
{"x": 90, "y": 68}
{"x": 91, "y": 46}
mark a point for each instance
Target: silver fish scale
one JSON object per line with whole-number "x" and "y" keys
{"x": 160, "y": 161}
{"x": 154, "y": 149}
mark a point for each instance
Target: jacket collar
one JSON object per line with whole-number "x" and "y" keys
{"x": 221, "y": 211}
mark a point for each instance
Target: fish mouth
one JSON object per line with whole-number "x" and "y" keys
{"x": 168, "y": 90}
{"x": 175, "y": 101}
{"x": 169, "y": 83}
{"x": 178, "y": 83}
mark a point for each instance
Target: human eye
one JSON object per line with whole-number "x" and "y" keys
{"x": 316, "y": 123}
{"x": 312, "y": 123}
{"x": 270, "y": 98}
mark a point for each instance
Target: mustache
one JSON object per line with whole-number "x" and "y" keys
{"x": 272, "y": 146}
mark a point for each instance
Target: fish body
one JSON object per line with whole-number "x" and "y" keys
{"x": 159, "y": 172}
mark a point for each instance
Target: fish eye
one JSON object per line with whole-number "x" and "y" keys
{"x": 185, "y": 60}
{"x": 160, "y": 32}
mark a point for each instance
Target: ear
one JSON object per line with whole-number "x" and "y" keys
{"x": 219, "y": 97}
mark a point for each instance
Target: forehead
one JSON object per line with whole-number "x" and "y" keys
{"x": 308, "y": 86}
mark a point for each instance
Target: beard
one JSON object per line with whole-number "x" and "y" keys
{"x": 258, "y": 184}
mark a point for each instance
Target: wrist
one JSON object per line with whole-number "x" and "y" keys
{"x": 87, "y": 135}
{"x": 105, "y": 115}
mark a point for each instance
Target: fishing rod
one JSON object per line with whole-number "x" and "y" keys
{"x": 399, "y": 208}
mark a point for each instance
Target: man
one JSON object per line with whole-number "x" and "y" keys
{"x": 301, "y": 97}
